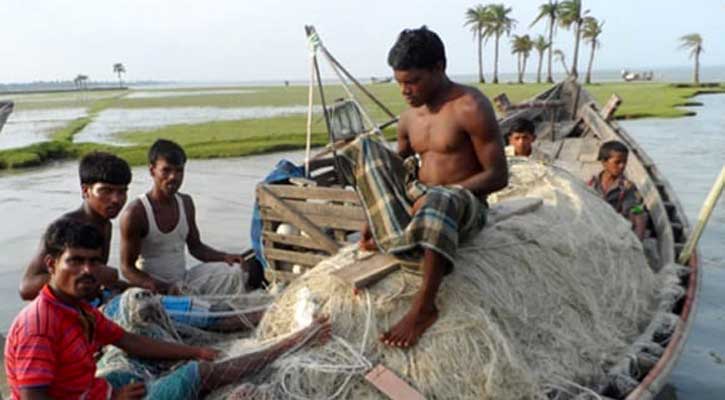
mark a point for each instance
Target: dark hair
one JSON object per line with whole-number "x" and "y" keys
{"x": 168, "y": 150}
{"x": 66, "y": 233}
{"x": 417, "y": 48}
{"x": 606, "y": 150}
{"x": 523, "y": 125}
{"x": 104, "y": 167}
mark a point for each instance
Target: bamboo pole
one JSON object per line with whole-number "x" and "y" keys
{"x": 702, "y": 219}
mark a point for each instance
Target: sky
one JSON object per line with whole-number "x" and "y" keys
{"x": 245, "y": 40}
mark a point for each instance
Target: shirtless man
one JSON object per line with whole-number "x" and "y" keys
{"x": 453, "y": 130}
{"x": 158, "y": 226}
{"x": 104, "y": 183}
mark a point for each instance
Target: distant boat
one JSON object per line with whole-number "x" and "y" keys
{"x": 381, "y": 80}
{"x": 6, "y": 108}
{"x": 636, "y": 76}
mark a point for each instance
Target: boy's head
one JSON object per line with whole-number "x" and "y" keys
{"x": 74, "y": 255}
{"x": 613, "y": 155}
{"x": 521, "y": 136}
{"x": 418, "y": 60}
{"x": 166, "y": 164}
{"x": 104, "y": 183}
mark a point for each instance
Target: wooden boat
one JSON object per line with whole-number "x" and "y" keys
{"x": 6, "y": 108}
{"x": 570, "y": 129}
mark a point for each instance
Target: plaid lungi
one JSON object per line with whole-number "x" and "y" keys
{"x": 388, "y": 187}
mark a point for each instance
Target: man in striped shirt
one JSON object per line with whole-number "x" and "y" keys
{"x": 49, "y": 352}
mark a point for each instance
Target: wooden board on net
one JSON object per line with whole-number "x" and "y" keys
{"x": 391, "y": 384}
{"x": 371, "y": 269}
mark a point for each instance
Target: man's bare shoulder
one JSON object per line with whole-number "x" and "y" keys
{"x": 134, "y": 212}
{"x": 472, "y": 100}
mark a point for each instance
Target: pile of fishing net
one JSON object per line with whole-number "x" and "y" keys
{"x": 541, "y": 304}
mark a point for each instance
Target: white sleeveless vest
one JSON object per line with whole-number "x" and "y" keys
{"x": 163, "y": 255}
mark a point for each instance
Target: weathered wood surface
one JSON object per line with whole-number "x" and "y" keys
{"x": 313, "y": 193}
{"x": 369, "y": 270}
{"x": 294, "y": 257}
{"x": 275, "y": 208}
{"x": 611, "y": 107}
{"x": 391, "y": 384}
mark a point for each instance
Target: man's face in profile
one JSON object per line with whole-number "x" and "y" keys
{"x": 417, "y": 85}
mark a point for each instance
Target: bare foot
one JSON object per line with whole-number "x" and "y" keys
{"x": 409, "y": 329}
{"x": 243, "y": 392}
{"x": 367, "y": 242}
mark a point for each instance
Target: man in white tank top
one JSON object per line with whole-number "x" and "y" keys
{"x": 157, "y": 228}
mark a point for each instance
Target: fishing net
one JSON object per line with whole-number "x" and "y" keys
{"x": 543, "y": 303}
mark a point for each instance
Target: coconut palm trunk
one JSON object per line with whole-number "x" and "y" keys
{"x": 481, "y": 79}
{"x": 495, "y": 60}
{"x": 588, "y": 79}
{"x": 578, "y": 29}
{"x": 696, "y": 73}
{"x": 523, "y": 67}
{"x": 549, "y": 77}
{"x": 538, "y": 70}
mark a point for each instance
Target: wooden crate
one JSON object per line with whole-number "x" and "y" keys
{"x": 321, "y": 220}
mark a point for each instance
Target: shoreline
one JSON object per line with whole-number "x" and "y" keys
{"x": 224, "y": 139}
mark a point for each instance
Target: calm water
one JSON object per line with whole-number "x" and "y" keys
{"x": 689, "y": 151}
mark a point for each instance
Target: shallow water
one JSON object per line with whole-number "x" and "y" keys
{"x": 688, "y": 151}
{"x": 154, "y": 94}
{"x": 33, "y": 126}
{"x": 108, "y": 123}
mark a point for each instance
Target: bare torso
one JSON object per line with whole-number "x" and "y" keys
{"x": 446, "y": 149}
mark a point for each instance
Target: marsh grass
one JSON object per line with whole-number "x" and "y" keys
{"x": 255, "y": 136}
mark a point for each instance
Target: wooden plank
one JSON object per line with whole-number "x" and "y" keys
{"x": 611, "y": 107}
{"x": 368, "y": 271}
{"x": 570, "y": 150}
{"x": 391, "y": 384}
{"x": 317, "y": 193}
{"x": 288, "y": 214}
{"x": 351, "y": 212}
{"x": 589, "y": 150}
{"x": 293, "y": 240}
{"x": 316, "y": 220}
{"x": 295, "y": 257}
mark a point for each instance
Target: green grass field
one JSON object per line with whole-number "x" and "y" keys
{"x": 254, "y": 136}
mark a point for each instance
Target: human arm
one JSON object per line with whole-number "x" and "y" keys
{"x": 199, "y": 249}
{"x": 405, "y": 149}
{"x": 146, "y": 347}
{"x": 134, "y": 226}
{"x": 477, "y": 118}
{"x": 634, "y": 209}
{"x": 35, "y": 276}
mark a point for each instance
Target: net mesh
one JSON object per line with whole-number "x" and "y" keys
{"x": 541, "y": 304}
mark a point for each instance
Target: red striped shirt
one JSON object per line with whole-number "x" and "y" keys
{"x": 47, "y": 348}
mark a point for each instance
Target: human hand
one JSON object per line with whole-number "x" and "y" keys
{"x": 367, "y": 242}
{"x": 206, "y": 353}
{"x": 417, "y": 205}
{"x": 131, "y": 391}
{"x": 232, "y": 259}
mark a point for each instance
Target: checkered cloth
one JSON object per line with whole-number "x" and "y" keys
{"x": 388, "y": 188}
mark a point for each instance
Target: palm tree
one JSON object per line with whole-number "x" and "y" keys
{"x": 476, "y": 18}
{"x": 119, "y": 69}
{"x": 693, "y": 42}
{"x": 497, "y": 24}
{"x": 81, "y": 81}
{"x": 571, "y": 13}
{"x": 590, "y": 33}
{"x": 540, "y": 44}
{"x": 560, "y": 55}
{"x": 521, "y": 45}
{"x": 549, "y": 10}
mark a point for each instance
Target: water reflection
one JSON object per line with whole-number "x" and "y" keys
{"x": 33, "y": 126}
